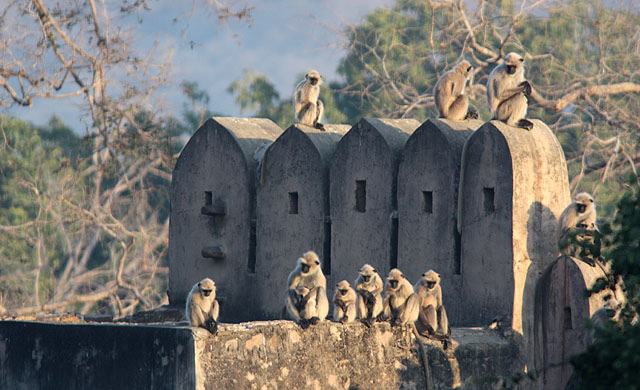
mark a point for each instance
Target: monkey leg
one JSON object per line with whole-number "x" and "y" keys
{"x": 361, "y": 307}
{"x": 319, "y": 112}
{"x": 512, "y": 110}
{"x": 350, "y": 314}
{"x": 459, "y": 108}
{"x": 428, "y": 320}
{"x": 376, "y": 309}
{"x": 308, "y": 114}
{"x": 215, "y": 310}
{"x": 411, "y": 310}
{"x": 338, "y": 313}
{"x": 443, "y": 322}
{"x": 322, "y": 303}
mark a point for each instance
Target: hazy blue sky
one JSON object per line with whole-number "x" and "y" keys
{"x": 283, "y": 41}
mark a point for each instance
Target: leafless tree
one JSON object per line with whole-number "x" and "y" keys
{"x": 115, "y": 203}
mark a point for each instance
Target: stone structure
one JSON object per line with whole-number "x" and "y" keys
{"x": 514, "y": 185}
{"x": 363, "y": 196}
{"x": 258, "y": 355}
{"x": 212, "y": 207}
{"x": 292, "y": 209}
{"x": 428, "y": 180}
{"x": 561, "y": 315}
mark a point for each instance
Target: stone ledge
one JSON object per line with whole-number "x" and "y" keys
{"x": 251, "y": 355}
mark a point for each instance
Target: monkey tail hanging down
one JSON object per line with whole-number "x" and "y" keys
{"x": 308, "y": 108}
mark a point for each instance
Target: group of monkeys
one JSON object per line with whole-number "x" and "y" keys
{"x": 508, "y": 94}
{"x": 403, "y": 304}
{"x": 306, "y": 300}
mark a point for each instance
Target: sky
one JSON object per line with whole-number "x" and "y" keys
{"x": 285, "y": 39}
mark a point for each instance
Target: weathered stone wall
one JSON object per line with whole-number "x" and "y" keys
{"x": 292, "y": 209}
{"x": 428, "y": 179}
{"x": 363, "y": 195}
{"x": 562, "y": 311}
{"x": 212, "y": 208}
{"x": 71, "y": 356}
{"x": 255, "y": 355}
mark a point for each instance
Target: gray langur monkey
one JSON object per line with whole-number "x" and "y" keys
{"x": 369, "y": 289}
{"x": 451, "y": 101}
{"x": 308, "y": 108}
{"x": 202, "y": 307}
{"x": 401, "y": 303}
{"x": 306, "y": 301}
{"x": 580, "y": 214}
{"x": 508, "y": 92}
{"x": 432, "y": 319}
{"x": 344, "y": 301}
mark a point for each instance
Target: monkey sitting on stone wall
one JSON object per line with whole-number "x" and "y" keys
{"x": 344, "y": 301}
{"x": 508, "y": 92}
{"x": 306, "y": 301}
{"x": 308, "y": 108}
{"x": 432, "y": 319}
{"x": 369, "y": 290}
{"x": 451, "y": 101}
{"x": 578, "y": 220}
{"x": 401, "y": 303}
{"x": 202, "y": 307}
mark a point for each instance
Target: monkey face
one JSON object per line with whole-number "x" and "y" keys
{"x": 305, "y": 268}
{"x": 583, "y": 201}
{"x": 393, "y": 284}
{"x": 431, "y": 284}
{"x": 367, "y": 272}
{"x": 431, "y": 278}
{"x": 207, "y": 286}
{"x": 314, "y": 78}
{"x": 343, "y": 292}
{"x": 512, "y": 62}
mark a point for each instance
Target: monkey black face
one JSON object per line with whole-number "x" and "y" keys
{"x": 343, "y": 292}
{"x": 206, "y": 293}
{"x": 366, "y": 278}
{"x": 305, "y": 268}
{"x": 393, "y": 284}
{"x": 313, "y": 80}
{"x": 469, "y": 69}
{"x": 431, "y": 285}
{"x": 511, "y": 69}
{"x": 581, "y": 207}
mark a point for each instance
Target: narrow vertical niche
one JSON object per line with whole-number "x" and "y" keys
{"x": 252, "y": 248}
{"x": 457, "y": 265}
{"x": 427, "y": 202}
{"x": 489, "y": 201}
{"x": 393, "y": 256}
{"x": 361, "y": 196}
{"x": 293, "y": 203}
{"x": 326, "y": 250}
{"x": 568, "y": 323}
{"x": 208, "y": 198}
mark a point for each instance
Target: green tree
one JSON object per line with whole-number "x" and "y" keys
{"x": 581, "y": 59}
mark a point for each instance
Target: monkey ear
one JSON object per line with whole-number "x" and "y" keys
{"x": 424, "y": 274}
{"x": 318, "y": 262}
{"x": 375, "y": 270}
{"x": 199, "y": 284}
{"x": 521, "y": 59}
{"x": 591, "y": 200}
